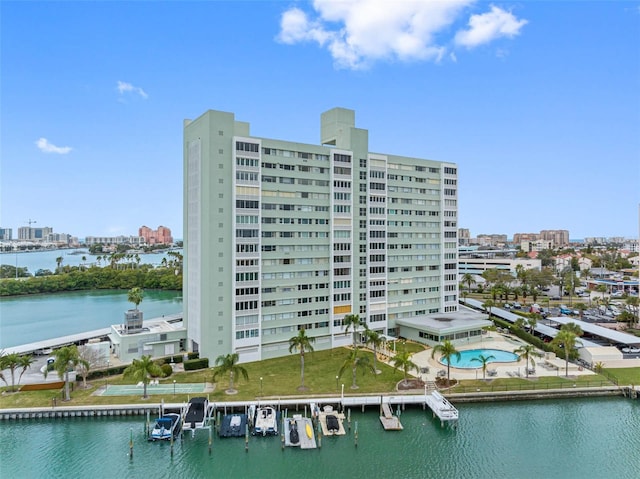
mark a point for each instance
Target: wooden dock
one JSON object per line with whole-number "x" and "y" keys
{"x": 442, "y": 408}
{"x": 388, "y": 420}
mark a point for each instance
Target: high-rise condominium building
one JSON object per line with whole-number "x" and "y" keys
{"x": 280, "y": 236}
{"x": 152, "y": 237}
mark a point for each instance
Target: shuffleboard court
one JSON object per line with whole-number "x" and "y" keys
{"x": 136, "y": 390}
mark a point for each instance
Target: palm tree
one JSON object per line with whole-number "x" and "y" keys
{"x": 532, "y": 322}
{"x": 568, "y": 341}
{"x": 572, "y": 327}
{"x": 301, "y": 342}
{"x": 484, "y": 360}
{"x": 141, "y": 370}
{"x": 446, "y": 349}
{"x": 352, "y": 321}
{"x": 402, "y": 360}
{"x": 59, "y": 264}
{"x": 526, "y": 351}
{"x": 467, "y": 278}
{"x": 519, "y": 323}
{"x": 487, "y": 305}
{"x": 355, "y": 362}
{"x": 228, "y": 363}
{"x": 135, "y": 296}
{"x": 375, "y": 340}
{"x": 12, "y": 362}
{"x": 67, "y": 358}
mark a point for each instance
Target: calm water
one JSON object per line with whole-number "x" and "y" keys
{"x": 36, "y": 260}
{"x": 585, "y": 438}
{"x": 26, "y": 319}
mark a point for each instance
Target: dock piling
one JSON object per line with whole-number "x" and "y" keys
{"x": 355, "y": 434}
{"x": 131, "y": 444}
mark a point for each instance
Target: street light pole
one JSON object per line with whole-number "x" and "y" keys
{"x": 260, "y": 386}
{"x": 337, "y": 386}
{"x": 174, "y": 388}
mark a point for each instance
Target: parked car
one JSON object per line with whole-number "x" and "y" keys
{"x": 555, "y": 298}
{"x": 517, "y": 305}
{"x": 565, "y": 310}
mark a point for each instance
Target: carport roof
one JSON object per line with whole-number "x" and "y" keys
{"x": 612, "y": 335}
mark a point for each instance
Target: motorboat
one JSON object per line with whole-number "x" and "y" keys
{"x": 233, "y": 425}
{"x": 266, "y": 421}
{"x": 333, "y": 425}
{"x": 196, "y": 414}
{"x": 166, "y": 427}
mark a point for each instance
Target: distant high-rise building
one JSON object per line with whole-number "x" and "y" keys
{"x": 6, "y": 234}
{"x": 558, "y": 237}
{"x": 281, "y": 236}
{"x": 152, "y": 237}
{"x": 518, "y": 238}
{"x": 463, "y": 236}
{"x": 27, "y": 233}
{"x": 492, "y": 240}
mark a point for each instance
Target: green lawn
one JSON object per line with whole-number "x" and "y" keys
{"x": 625, "y": 376}
{"x": 281, "y": 378}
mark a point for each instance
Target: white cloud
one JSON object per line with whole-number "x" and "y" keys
{"x": 124, "y": 87}
{"x": 360, "y": 32}
{"x": 44, "y": 145}
{"x": 485, "y": 27}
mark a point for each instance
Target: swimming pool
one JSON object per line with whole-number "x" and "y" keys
{"x": 466, "y": 356}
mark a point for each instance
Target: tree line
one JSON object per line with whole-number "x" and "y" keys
{"x": 77, "y": 279}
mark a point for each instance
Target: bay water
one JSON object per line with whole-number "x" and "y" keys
{"x": 46, "y": 259}
{"x": 30, "y": 318}
{"x": 545, "y": 439}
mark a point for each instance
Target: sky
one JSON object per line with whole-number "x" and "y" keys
{"x": 537, "y": 102}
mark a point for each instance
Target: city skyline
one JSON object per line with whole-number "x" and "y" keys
{"x": 536, "y": 103}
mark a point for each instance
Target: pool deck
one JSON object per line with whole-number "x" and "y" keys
{"x": 505, "y": 342}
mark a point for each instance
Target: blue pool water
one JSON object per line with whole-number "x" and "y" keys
{"x": 466, "y": 357}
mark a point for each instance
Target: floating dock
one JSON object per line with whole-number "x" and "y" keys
{"x": 306, "y": 433}
{"x": 442, "y": 408}
{"x": 322, "y": 417}
{"x": 388, "y": 420}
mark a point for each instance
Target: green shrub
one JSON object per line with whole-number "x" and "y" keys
{"x": 193, "y": 364}
{"x": 195, "y": 355}
{"x": 167, "y": 370}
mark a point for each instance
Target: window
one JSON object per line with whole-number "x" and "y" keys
{"x": 244, "y": 146}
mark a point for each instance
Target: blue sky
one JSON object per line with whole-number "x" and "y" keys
{"x": 537, "y": 102}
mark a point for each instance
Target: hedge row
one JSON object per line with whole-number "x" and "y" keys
{"x": 193, "y": 364}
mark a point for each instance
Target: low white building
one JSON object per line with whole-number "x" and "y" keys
{"x": 156, "y": 338}
{"x": 460, "y": 327}
{"x": 600, "y": 355}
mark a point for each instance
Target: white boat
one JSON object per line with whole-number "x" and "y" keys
{"x": 266, "y": 421}
{"x": 166, "y": 427}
